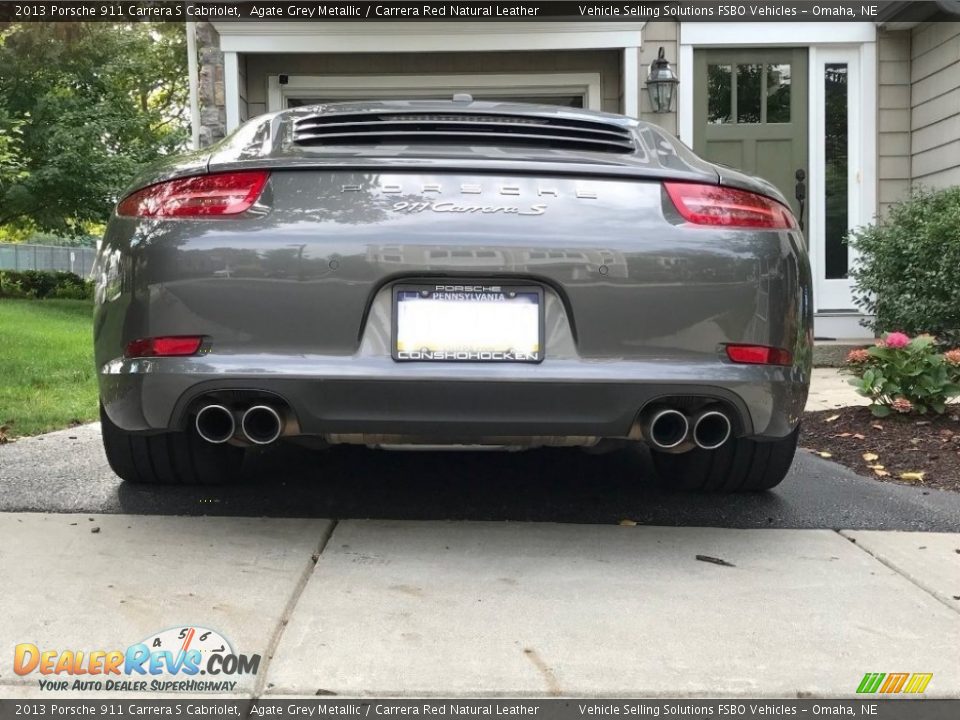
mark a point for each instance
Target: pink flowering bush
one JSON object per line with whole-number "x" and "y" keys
{"x": 896, "y": 340}
{"x": 858, "y": 356}
{"x": 902, "y": 374}
{"x": 902, "y": 405}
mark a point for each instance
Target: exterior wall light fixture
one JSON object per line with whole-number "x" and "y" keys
{"x": 661, "y": 84}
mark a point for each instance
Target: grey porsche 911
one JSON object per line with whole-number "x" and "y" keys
{"x": 452, "y": 273}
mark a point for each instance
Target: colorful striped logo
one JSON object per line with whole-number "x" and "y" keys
{"x": 890, "y": 683}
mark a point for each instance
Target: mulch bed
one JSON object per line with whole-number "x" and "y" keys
{"x": 911, "y": 450}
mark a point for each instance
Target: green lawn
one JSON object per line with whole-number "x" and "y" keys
{"x": 47, "y": 378}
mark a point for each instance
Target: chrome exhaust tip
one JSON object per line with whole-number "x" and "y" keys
{"x": 667, "y": 429}
{"x": 261, "y": 425}
{"x": 711, "y": 429}
{"x": 215, "y": 424}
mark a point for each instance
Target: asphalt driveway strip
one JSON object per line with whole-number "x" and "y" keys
{"x": 67, "y": 472}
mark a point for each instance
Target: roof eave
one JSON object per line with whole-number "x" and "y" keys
{"x": 907, "y": 15}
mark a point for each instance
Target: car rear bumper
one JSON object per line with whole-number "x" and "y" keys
{"x": 299, "y": 303}
{"x": 447, "y": 402}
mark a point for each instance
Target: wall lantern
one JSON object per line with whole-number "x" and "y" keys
{"x": 661, "y": 84}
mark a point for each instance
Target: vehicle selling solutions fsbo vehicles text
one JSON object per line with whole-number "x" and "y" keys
{"x": 721, "y": 10}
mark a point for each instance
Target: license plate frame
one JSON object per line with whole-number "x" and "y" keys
{"x": 468, "y": 288}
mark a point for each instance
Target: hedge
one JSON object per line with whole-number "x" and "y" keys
{"x": 42, "y": 284}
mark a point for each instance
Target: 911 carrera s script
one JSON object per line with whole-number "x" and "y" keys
{"x": 452, "y": 207}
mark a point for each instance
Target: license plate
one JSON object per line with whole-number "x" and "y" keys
{"x": 449, "y": 322}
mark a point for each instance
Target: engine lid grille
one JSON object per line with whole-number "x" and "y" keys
{"x": 452, "y": 128}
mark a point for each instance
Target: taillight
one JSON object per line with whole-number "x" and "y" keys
{"x": 170, "y": 346}
{"x": 724, "y": 206}
{"x": 759, "y": 355}
{"x": 202, "y": 196}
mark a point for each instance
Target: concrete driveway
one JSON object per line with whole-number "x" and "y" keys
{"x": 524, "y": 574}
{"x": 413, "y": 608}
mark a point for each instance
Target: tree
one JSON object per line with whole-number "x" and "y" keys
{"x": 11, "y": 160}
{"x": 82, "y": 107}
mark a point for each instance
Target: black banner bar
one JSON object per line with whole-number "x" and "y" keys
{"x": 457, "y": 10}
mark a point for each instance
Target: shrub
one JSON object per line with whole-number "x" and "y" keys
{"x": 908, "y": 274}
{"x": 39, "y": 284}
{"x": 84, "y": 291}
{"x": 904, "y": 375}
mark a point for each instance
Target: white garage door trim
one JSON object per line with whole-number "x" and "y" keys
{"x": 371, "y": 87}
{"x": 238, "y": 38}
{"x": 420, "y": 37}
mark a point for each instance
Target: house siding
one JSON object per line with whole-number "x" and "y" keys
{"x": 893, "y": 119}
{"x": 935, "y": 104}
{"x": 606, "y": 62}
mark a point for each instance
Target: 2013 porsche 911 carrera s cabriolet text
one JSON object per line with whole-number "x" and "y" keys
{"x": 452, "y": 273}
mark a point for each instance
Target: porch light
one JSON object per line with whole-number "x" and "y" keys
{"x": 661, "y": 84}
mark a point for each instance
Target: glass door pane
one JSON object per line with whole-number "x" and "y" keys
{"x": 836, "y": 180}
{"x": 837, "y": 189}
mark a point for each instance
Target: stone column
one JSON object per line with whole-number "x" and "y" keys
{"x": 213, "y": 110}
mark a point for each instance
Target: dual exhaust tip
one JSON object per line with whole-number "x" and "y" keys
{"x": 259, "y": 424}
{"x": 668, "y": 429}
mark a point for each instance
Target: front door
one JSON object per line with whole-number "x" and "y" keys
{"x": 750, "y": 112}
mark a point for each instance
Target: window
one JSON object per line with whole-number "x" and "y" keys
{"x": 749, "y": 90}
{"x": 761, "y": 92}
{"x": 778, "y": 93}
{"x": 836, "y": 186}
{"x": 719, "y": 87}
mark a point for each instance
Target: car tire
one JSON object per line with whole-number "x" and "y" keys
{"x": 740, "y": 465}
{"x": 169, "y": 458}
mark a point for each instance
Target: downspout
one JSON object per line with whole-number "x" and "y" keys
{"x": 193, "y": 73}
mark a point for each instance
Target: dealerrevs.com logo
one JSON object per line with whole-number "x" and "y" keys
{"x": 184, "y": 659}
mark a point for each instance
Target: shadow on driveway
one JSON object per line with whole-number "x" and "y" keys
{"x": 539, "y": 485}
{"x": 67, "y": 472}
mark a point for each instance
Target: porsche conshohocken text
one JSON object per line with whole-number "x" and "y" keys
{"x": 474, "y": 355}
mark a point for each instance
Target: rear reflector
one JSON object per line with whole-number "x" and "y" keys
{"x": 724, "y": 206}
{"x": 203, "y": 196}
{"x": 164, "y": 346}
{"x": 759, "y": 355}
